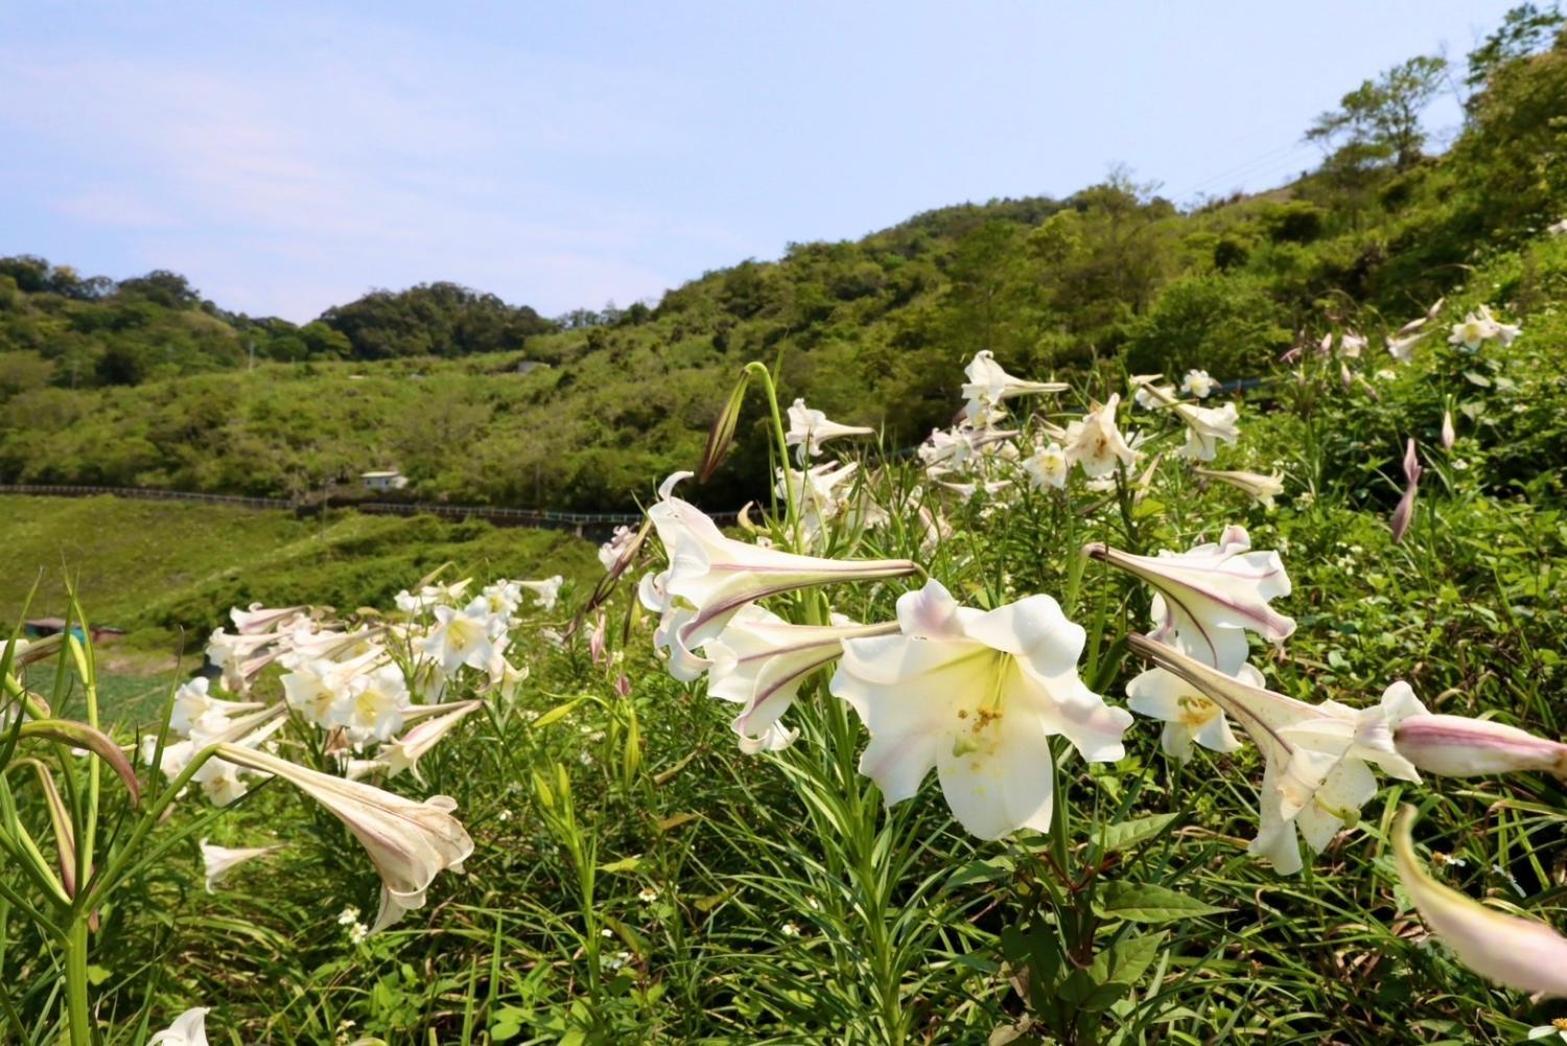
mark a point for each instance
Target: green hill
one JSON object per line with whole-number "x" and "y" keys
{"x": 1109, "y": 279}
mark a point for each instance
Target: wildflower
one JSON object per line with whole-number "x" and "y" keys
{"x": 614, "y": 550}
{"x": 405, "y": 752}
{"x": 809, "y": 429}
{"x": 462, "y": 637}
{"x": 1557, "y": 228}
{"x": 1351, "y": 344}
{"x": 1207, "y": 597}
{"x": 220, "y": 860}
{"x": 711, "y": 577}
{"x": 546, "y": 593}
{"x": 377, "y": 702}
{"x": 789, "y": 929}
{"x": 1148, "y": 394}
{"x": 502, "y": 598}
{"x": 1048, "y": 467}
{"x": 1255, "y": 485}
{"x": 1189, "y": 716}
{"x": 1404, "y": 514}
{"x": 1458, "y": 746}
{"x": 975, "y": 695}
{"x": 1206, "y": 428}
{"x": 1506, "y": 333}
{"x": 988, "y": 385}
{"x": 358, "y": 932}
{"x": 759, "y": 661}
{"x": 1471, "y": 332}
{"x": 1402, "y": 347}
{"x": 188, "y": 1029}
{"x": 647, "y": 895}
{"x": 258, "y": 619}
{"x": 348, "y": 916}
{"x": 1096, "y": 444}
{"x": 193, "y": 701}
{"x": 1198, "y": 383}
{"x": 408, "y": 841}
{"x": 1315, "y": 774}
{"x": 815, "y": 492}
{"x": 1514, "y": 952}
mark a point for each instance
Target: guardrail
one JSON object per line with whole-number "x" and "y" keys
{"x": 500, "y": 515}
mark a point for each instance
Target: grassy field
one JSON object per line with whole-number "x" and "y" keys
{"x": 167, "y": 572}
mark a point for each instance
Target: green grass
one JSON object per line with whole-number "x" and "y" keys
{"x": 160, "y": 569}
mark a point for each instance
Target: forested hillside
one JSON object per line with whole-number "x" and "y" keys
{"x": 143, "y": 383}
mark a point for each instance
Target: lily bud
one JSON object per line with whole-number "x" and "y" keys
{"x": 1518, "y": 953}
{"x": 1404, "y": 514}
{"x": 723, "y": 431}
{"x": 1458, "y": 746}
{"x": 1449, "y": 436}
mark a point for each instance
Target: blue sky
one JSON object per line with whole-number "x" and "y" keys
{"x": 287, "y": 156}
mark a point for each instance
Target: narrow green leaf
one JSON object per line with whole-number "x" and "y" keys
{"x": 1147, "y": 903}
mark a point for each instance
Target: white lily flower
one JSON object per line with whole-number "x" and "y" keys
{"x": 1096, "y": 444}
{"x": 408, "y": 842}
{"x": 711, "y": 577}
{"x": 1402, "y": 347}
{"x": 976, "y": 695}
{"x": 1210, "y": 595}
{"x": 240, "y": 656}
{"x": 1506, "y": 333}
{"x": 1206, "y": 428}
{"x": 1515, "y": 952}
{"x": 967, "y": 490}
{"x": 405, "y": 752}
{"x": 546, "y": 593}
{"x": 218, "y": 861}
{"x": 1404, "y": 513}
{"x": 1472, "y": 332}
{"x": 503, "y": 598}
{"x": 193, "y": 701}
{"x": 809, "y": 429}
{"x": 317, "y": 687}
{"x": 1198, "y": 383}
{"x": 462, "y": 637}
{"x": 1459, "y": 746}
{"x": 257, "y": 618}
{"x": 989, "y": 385}
{"x": 1351, "y": 344}
{"x": 1048, "y": 467}
{"x": 1188, "y": 714}
{"x": 1315, "y": 774}
{"x": 816, "y": 493}
{"x": 1254, "y": 484}
{"x": 615, "y": 549}
{"x": 759, "y": 661}
{"x": 377, "y": 702}
{"x": 188, "y": 1029}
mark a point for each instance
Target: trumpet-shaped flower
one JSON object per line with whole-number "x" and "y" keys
{"x": 976, "y": 695}
{"x": 711, "y": 577}
{"x": 613, "y": 551}
{"x": 989, "y": 384}
{"x": 1254, "y": 484}
{"x": 1188, "y": 714}
{"x": 1404, "y": 513}
{"x": 1206, "y": 428}
{"x": 219, "y": 861}
{"x": 408, "y": 842}
{"x": 1506, "y": 333}
{"x": 1209, "y": 596}
{"x": 1048, "y": 467}
{"x": 760, "y": 661}
{"x": 462, "y": 637}
{"x": 1315, "y": 773}
{"x": 1472, "y": 332}
{"x": 546, "y": 593}
{"x": 317, "y": 687}
{"x": 377, "y": 702}
{"x": 193, "y": 701}
{"x": 257, "y": 618}
{"x": 188, "y": 1029}
{"x": 1351, "y": 344}
{"x": 809, "y": 429}
{"x": 1198, "y": 383}
{"x": 1458, "y": 746}
{"x": 405, "y": 752}
{"x": 1402, "y": 346}
{"x": 1096, "y": 444}
{"x": 1509, "y": 950}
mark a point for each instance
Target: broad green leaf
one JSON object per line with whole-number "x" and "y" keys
{"x": 625, "y": 864}
{"x": 1146, "y": 903}
{"x": 1124, "y": 835}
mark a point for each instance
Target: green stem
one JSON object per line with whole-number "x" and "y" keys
{"x": 78, "y": 1011}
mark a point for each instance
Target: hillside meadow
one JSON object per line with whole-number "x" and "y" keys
{"x": 1146, "y": 627}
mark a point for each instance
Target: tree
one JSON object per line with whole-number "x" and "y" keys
{"x": 1524, "y": 30}
{"x": 1380, "y": 120}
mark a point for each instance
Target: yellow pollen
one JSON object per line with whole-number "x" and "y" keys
{"x": 1196, "y": 710}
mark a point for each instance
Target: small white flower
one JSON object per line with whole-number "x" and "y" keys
{"x": 1048, "y": 467}
{"x": 1198, "y": 383}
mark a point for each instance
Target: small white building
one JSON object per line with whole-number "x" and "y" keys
{"x": 383, "y": 479}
